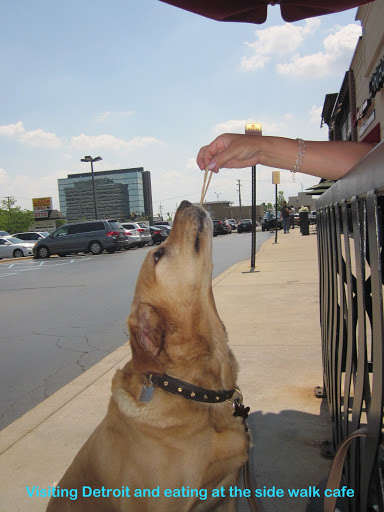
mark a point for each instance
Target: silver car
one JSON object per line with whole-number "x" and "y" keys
{"x": 140, "y": 229}
{"x": 31, "y": 236}
{"x": 11, "y": 247}
{"x": 133, "y": 239}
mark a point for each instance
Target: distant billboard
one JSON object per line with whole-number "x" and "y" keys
{"x": 42, "y": 203}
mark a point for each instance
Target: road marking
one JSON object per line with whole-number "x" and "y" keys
{"x": 18, "y": 267}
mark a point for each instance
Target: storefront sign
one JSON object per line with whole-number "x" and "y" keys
{"x": 48, "y": 225}
{"x": 41, "y": 214}
{"x": 376, "y": 81}
{"x": 363, "y": 128}
{"x": 42, "y": 203}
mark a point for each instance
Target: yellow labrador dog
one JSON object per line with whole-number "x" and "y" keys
{"x": 169, "y": 441}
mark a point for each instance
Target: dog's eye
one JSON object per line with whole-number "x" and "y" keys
{"x": 158, "y": 254}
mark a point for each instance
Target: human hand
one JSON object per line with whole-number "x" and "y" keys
{"x": 229, "y": 150}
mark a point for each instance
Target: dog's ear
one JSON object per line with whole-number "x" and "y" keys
{"x": 146, "y": 339}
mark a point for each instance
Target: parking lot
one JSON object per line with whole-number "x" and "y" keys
{"x": 59, "y": 316}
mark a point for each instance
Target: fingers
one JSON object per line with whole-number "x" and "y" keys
{"x": 229, "y": 151}
{"x": 201, "y": 158}
{"x": 207, "y": 156}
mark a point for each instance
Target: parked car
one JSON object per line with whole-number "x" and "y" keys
{"x": 220, "y": 228}
{"x": 4, "y": 233}
{"x": 157, "y": 234}
{"x": 143, "y": 232}
{"x": 312, "y": 217}
{"x": 161, "y": 223}
{"x": 296, "y": 217}
{"x": 88, "y": 237}
{"x": 11, "y": 247}
{"x": 232, "y": 223}
{"x": 32, "y": 236}
{"x": 133, "y": 239}
{"x": 165, "y": 229}
{"x": 269, "y": 221}
{"x": 244, "y": 225}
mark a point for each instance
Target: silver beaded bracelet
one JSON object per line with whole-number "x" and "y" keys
{"x": 299, "y": 158}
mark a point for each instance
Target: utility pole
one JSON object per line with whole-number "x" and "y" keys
{"x": 239, "y": 190}
{"x": 161, "y": 210}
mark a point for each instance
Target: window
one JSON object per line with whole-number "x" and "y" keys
{"x": 61, "y": 232}
{"x": 114, "y": 225}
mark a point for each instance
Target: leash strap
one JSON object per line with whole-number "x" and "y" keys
{"x": 334, "y": 477}
{"x": 336, "y": 471}
{"x": 248, "y": 485}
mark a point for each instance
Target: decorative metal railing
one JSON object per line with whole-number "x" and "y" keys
{"x": 350, "y": 226}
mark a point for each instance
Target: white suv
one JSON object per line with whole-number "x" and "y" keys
{"x": 140, "y": 229}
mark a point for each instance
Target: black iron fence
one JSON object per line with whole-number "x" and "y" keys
{"x": 350, "y": 222}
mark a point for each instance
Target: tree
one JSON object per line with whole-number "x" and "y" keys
{"x": 280, "y": 199}
{"x": 13, "y": 218}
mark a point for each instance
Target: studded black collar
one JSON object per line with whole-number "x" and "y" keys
{"x": 190, "y": 391}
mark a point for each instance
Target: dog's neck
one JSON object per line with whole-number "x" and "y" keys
{"x": 189, "y": 391}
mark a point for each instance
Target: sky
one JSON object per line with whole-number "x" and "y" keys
{"x": 145, "y": 84}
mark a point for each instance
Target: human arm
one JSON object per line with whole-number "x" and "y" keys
{"x": 325, "y": 159}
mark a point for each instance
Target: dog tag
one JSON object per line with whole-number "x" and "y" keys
{"x": 146, "y": 392}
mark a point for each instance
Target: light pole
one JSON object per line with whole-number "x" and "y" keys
{"x": 276, "y": 181}
{"x": 90, "y": 159}
{"x": 253, "y": 129}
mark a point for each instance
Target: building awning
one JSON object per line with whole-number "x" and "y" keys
{"x": 255, "y": 11}
{"x": 320, "y": 188}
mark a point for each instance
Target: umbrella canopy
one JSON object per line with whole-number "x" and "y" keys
{"x": 255, "y": 11}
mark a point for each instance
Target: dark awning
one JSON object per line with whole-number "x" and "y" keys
{"x": 255, "y": 11}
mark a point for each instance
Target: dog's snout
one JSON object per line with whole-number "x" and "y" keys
{"x": 184, "y": 204}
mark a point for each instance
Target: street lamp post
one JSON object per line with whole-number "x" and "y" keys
{"x": 90, "y": 159}
{"x": 276, "y": 181}
{"x": 253, "y": 129}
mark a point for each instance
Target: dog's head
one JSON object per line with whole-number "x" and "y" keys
{"x": 173, "y": 312}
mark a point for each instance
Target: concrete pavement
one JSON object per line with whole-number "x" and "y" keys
{"x": 272, "y": 318}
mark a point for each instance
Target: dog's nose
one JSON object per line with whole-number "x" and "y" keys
{"x": 184, "y": 204}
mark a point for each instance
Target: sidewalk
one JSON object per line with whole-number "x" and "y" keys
{"x": 272, "y": 319}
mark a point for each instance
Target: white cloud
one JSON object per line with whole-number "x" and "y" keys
{"x": 338, "y": 49}
{"x": 36, "y": 138}
{"x": 278, "y": 40}
{"x": 12, "y": 130}
{"x": 4, "y": 178}
{"x": 191, "y": 164}
{"x": 105, "y": 141}
{"x": 315, "y": 115}
{"x": 40, "y": 138}
{"x": 23, "y": 187}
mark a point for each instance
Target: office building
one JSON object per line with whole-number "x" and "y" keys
{"x": 120, "y": 194}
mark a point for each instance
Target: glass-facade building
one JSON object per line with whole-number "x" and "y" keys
{"x": 120, "y": 194}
